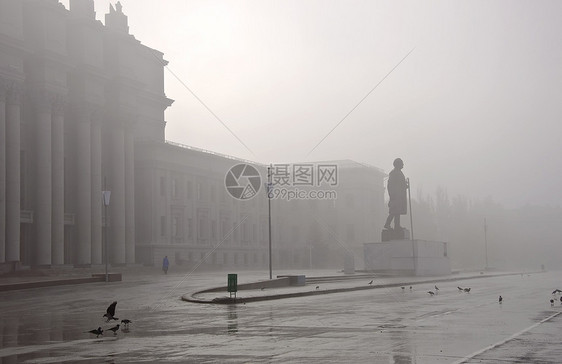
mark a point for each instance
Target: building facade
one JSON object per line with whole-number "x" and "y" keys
{"x": 82, "y": 111}
{"x": 184, "y": 211}
{"x": 74, "y": 97}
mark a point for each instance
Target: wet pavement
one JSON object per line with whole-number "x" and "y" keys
{"x": 383, "y": 325}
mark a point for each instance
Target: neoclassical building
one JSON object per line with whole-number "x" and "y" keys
{"x": 82, "y": 111}
{"x": 74, "y": 97}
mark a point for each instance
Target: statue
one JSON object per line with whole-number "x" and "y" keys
{"x": 398, "y": 204}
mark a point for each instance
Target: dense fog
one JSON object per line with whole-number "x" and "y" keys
{"x": 473, "y": 110}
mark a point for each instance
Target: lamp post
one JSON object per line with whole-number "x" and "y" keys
{"x": 410, "y": 202}
{"x": 269, "y": 196}
{"x": 486, "y": 242}
{"x": 106, "y": 195}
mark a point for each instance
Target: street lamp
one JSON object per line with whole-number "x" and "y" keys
{"x": 269, "y": 196}
{"x": 410, "y": 202}
{"x": 486, "y": 243}
{"x": 106, "y": 195}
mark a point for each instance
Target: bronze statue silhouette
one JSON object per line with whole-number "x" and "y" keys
{"x": 397, "y": 186}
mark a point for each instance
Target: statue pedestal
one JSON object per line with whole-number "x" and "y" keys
{"x": 407, "y": 257}
{"x": 391, "y": 234}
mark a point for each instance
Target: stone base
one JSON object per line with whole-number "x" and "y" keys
{"x": 407, "y": 257}
{"x": 391, "y": 234}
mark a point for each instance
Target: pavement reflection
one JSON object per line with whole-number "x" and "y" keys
{"x": 387, "y": 325}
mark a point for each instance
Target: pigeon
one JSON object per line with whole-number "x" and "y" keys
{"x": 371, "y": 282}
{"x": 317, "y": 287}
{"x": 500, "y": 299}
{"x": 551, "y": 302}
{"x": 556, "y": 291}
{"x": 436, "y": 289}
{"x": 403, "y": 288}
{"x": 467, "y": 290}
{"x": 431, "y": 293}
{"x": 114, "y": 329}
{"x": 561, "y": 300}
{"x": 410, "y": 288}
{"x": 111, "y": 312}
{"x": 126, "y": 322}
{"x": 262, "y": 288}
{"x": 96, "y": 332}
{"x": 460, "y": 289}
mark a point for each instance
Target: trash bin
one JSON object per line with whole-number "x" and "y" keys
{"x": 232, "y": 286}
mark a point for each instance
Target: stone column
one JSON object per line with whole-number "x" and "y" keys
{"x": 96, "y": 188}
{"x": 57, "y": 178}
{"x": 3, "y": 89}
{"x": 43, "y": 202}
{"x": 84, "y": 188}
{"x": 129, "y": 197}
{"x": 13, "y": 124}
{"x": 116, "y": 243}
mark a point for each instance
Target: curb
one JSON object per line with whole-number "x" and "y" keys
{"x": 229, "y": 301}
{"x": 113, "y": 277}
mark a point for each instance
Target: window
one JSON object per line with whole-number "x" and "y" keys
{"x": 224, "y": 230}
{"x": 174, "y": 188}
{"x": 189, "y": 191}
{"x": 162, "y": 225}
{"x": 244, "y": 232}
{"x": 190, "y": 228}
{"x": 234, "y": 232}
{"x": 202, "y": 228}
{"x": 175, "y": 226}
{"x": 214, "y": 230}
{"x": 162, "y": 186}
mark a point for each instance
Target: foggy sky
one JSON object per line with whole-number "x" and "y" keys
{"x": 475, "y": 108}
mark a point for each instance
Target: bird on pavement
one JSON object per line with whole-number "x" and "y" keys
{"x": 317, "y": 287}
{"x": 96, "y": 332}
{"x": 467, "y": 290}
{"x": 371, "y": 282}
{"x": 431, "y": 293}
{"x": 551, "y": 302}
{"x": 403, "y": 288}
{"x": 114, "y": 329}
{"x": 500, "y": 299}
{"x": 410, "y": 288}
{"x": 556, "y": 291}
{"x": 561, "y": 300}
{"x": 460, "y": 289}
{"x": 110, "y": 314}
{"x": 436, "y": 288}
{"x": 126, "y": 322}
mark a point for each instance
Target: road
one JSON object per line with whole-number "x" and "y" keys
{"x": 386, "y": 325}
